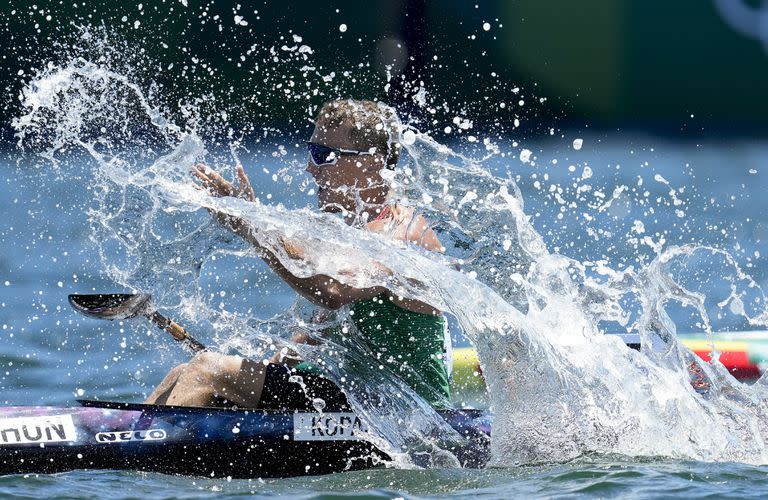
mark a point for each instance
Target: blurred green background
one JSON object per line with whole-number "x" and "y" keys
{"x": 604, "y": 63}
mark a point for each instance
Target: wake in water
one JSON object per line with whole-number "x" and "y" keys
{"x": 558, "y": 386}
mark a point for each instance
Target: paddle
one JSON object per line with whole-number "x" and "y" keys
{"x": 119, "y": 306}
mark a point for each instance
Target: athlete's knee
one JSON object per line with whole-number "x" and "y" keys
{"x": 212, "y": 365}
{"x": 200, "y": 368}
{"x": 205, "y": 359}
{"x": 177, "y": 370}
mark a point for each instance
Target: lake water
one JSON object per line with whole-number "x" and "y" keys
{"x": 51, "y": 356}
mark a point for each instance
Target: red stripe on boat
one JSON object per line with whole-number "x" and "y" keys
{"x": 737, "y": 363}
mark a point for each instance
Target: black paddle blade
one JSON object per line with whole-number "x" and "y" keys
{"x": 112, "y": 306}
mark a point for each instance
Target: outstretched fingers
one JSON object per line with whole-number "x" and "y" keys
{"x": 199, "y": 172}
{"x": 246, "y": 190}
{"x": 217, "y": 185}
{"x": 213, "y": 181}
{"x": 203, "y": 182}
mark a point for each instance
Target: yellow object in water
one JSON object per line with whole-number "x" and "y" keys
{"x": 468, "y": 384}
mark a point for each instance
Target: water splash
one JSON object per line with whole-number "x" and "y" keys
{"x": 558, "y": 386}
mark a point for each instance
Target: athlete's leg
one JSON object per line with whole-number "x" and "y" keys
{"x": 208, "y": 379}
{"x": 164, "y": 388}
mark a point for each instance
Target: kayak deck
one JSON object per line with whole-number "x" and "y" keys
{"x": 211, "y": 442}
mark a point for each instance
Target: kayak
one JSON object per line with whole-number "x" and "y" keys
{"x": 246, "y": 443}
{"x": 210, "y": 442}
{"x": 219, "y": 442}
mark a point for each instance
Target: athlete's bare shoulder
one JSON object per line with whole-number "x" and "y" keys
{"x": 405, "y": 224}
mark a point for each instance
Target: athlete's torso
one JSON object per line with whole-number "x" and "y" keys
{"x": 411, "y": 344}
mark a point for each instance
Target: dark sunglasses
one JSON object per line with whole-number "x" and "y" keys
{"x": 323, "y": 155}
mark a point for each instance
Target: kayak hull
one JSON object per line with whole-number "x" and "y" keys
{"x": 208, "y": 442}
{"x": 249, "y": 458}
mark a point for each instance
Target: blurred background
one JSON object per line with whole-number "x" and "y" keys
{"x": 648, "y": 65}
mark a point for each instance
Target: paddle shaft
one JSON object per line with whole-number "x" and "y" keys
{"x": 176, "y": 330}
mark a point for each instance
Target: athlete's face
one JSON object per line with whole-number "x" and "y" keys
{"x": 353, "y": 181}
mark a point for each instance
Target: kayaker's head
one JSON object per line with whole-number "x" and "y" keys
{"x": 352, "y": 143}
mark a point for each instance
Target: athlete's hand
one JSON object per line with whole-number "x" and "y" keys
{"x": 216, "y": 185}
{"x": 210, "y": 180}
